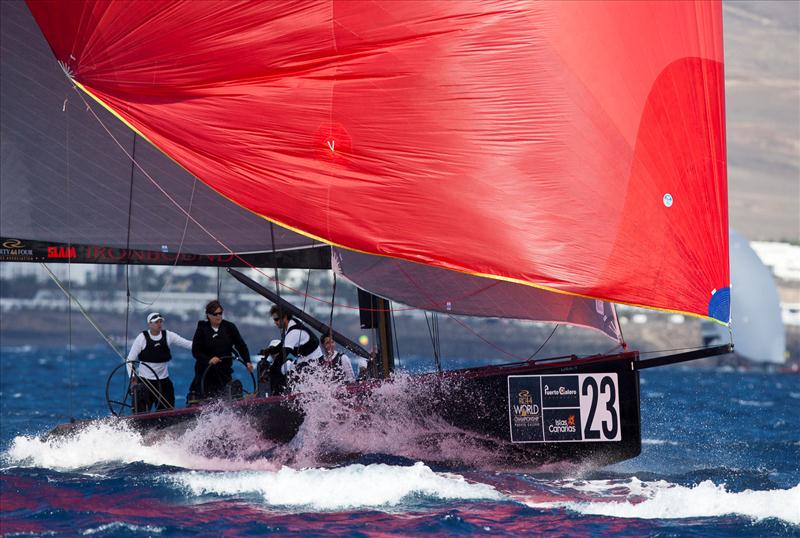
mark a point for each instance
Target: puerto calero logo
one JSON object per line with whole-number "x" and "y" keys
{"x": 560, "y": 391}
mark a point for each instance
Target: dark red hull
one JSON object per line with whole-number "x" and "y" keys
{"x": 586, "y": 410}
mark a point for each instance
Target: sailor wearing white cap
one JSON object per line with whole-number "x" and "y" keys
{"x": 152, "y": 348}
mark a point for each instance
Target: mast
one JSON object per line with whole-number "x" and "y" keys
{"x": 309, "y": 320}
{"x": 376, "y": 314}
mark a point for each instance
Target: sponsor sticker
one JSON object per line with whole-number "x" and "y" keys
{"x": 564, "y": 408}
{"x": 525, "y": 408}
{"x": 562, "y": 425}
{"x": 15, "y": 250}
{"x": 560, "y": 391}
{"x": 61, "y": 252}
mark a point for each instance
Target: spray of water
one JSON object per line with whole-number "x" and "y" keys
{"x": 400, "y": 418}
{"x": 219, "y": 440}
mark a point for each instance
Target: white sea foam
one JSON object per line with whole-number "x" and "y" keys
{"x": 118, "y": 526}
{"x": 659, "y": 442}
{"x": 754, "y": 403}
{"x": 218, "y": 441}
{"x": 633, "y": 498}
{"x": 349, "y": 487}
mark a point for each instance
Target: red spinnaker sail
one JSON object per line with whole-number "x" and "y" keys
{"x": 575, "y": 146}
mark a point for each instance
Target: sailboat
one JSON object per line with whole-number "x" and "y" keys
{"x": 537, "y": 161}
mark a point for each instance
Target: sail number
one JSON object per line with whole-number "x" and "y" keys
{"x": 564, "y": 408}
{"x": 599, "y": 407}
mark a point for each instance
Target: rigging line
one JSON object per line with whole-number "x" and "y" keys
{"x": 622, "y": 341}
{"x": 278, "y": 290}
{"x": 128, "y": 246}
{"x": 305, "y": 295}
{"x": 438, "y": 342}
{"x": 464, "y": 325}
{"x": 171, "y": 272}
{"x": 488, "y": 342}
{"x": 431, "y": 331}
{"x": 439, "y": 336}
{"x": 151, "y": 387}
{"x": 376, "y": 349}
{"x": 333, "y": 298}
{"x": 83, "y": 311}
{"x": 69, "y": 347}
{"x": 394, "y": 334}
{"x": 69, "y": 274}
{"x": 200, "y": 225}
{"x": 545, "y": 342}
{"x": 219, "y": 282}
{"x": 69, "y": 336}
{"x": 615, "y": 347}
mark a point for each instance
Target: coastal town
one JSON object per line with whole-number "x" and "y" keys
{"x": 36, "y": 312}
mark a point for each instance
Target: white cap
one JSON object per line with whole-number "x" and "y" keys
{"x": 154, "y": 316}
{"x": 274, "y": 344}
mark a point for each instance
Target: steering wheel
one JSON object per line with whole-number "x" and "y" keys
{"x": 246, "y": 393}
{"x": 117, "y": 407}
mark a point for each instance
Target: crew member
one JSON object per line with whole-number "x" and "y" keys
{"x": 338, "y": 363}
{"x": 214, "y": 343}
{"x": 274, "y": 369}
{"x": 152, "y": 385}
{"x": 298, "y": 340}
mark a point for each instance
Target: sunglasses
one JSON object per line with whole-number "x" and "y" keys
{"x": 216, "y": 313}
{"x": 275, "y": 318}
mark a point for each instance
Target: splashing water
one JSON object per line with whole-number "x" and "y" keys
{"x": 219, "y": 440}
{"x": 398, "y": 417}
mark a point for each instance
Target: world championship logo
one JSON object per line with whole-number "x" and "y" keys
{"x": 525, "y": 407}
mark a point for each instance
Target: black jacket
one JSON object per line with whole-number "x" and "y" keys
{"x": 206, "y": 344}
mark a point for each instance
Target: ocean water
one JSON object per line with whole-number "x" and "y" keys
{"x": 721, "y": 457}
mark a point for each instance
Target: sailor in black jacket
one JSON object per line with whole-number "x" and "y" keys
{"x": 214, "y": 343}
